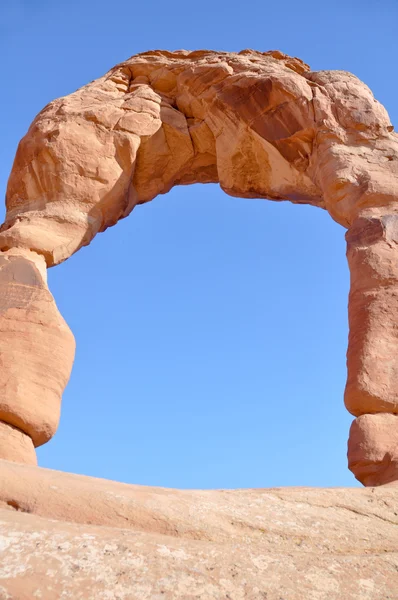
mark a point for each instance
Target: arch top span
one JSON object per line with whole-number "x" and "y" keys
{"x": 262, "y": 125}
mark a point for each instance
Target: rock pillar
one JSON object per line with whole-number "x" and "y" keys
{"x": 36, "y": 356}
{"x": 372, "y": 359}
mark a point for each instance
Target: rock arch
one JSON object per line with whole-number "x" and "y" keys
{"x": 261, "y": 125}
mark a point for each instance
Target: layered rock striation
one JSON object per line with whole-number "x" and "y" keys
{"x": 261, "y": 125}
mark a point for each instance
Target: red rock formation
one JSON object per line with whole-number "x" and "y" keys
{"x": 16, "y": 445}
{"x": 372, "y": 385}
{"x": 373, "y": 448}
{"x": 262, "y": 125}
{"x": 36, "y": 354}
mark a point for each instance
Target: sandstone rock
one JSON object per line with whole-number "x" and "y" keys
{"x": 372, "y": 253}
{"x": 373, "y": 449}
{"x": 16, "y": 445}
{"x": 292, "y": 543}
{"x": 261, "y": 124}
{"x": 36, "y": 347}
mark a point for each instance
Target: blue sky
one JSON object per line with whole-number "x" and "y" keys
{"x": 211, "y": 331}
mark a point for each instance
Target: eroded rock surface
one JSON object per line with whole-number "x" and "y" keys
{"x": 36, "y": 349}
{"x": 373, "y": 449}
{"x": 291, "y": 543}
{"x": 372, "y": 253}
{"x": 16, "y": 445}
{"x": 262, "y": 125}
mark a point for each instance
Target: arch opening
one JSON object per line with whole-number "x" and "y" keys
{"x": 184, "y": 351}
{"x": 261, "y": 124}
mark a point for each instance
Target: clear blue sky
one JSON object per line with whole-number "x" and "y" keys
{"x": 211, "y": 331}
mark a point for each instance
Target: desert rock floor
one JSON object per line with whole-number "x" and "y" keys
{"x": 65, "y": 536}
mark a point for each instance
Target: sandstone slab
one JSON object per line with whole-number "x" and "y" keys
{"x": 69, "y": 536}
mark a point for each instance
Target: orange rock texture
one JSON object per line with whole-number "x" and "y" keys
{"x": 373, "y": 448}
{"x": 16, "y": 445}
{"x": 261, "y": 125}
{"x": 79, "y": 538}
{"x": 36, "y": 353}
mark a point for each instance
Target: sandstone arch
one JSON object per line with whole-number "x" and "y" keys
{"x": 262, "y": 125}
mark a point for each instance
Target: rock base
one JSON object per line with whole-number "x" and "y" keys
{"x": 77, "y": 537}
